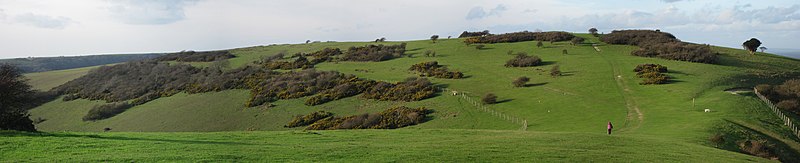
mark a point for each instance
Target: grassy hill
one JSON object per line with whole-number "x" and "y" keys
{"x": 596, "y": 87}
{"x": 406, "y": 145}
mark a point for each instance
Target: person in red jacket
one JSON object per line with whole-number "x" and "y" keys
{"x": 610, "y": 127}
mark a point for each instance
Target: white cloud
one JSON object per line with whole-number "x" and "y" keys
{"x": 43, "y": 21}
{"x": 479, "y": 12}
{"x": 2, "y": 14}
{"x": 149, "y": 12}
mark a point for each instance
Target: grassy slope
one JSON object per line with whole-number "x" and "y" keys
{"x": 408, "y": 145}
{"x": 46, "y": 80}
{"x": 597, "y": 87}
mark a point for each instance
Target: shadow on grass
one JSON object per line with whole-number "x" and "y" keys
{"x": 67, "y": 135}
{"x": 535, "y": 84}
{"x": 502, "y": 101}
{"x": 545, "y": 63}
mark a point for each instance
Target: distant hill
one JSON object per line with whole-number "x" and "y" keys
{"x": 793, "y": 53}
{"x": 40, "y": 64}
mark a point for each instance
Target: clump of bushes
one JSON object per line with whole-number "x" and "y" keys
{"x": 100, "y": 112}
{"x": 349, "y": 87}
{"x": 758, "y": 148}
{"x": 489, "y": 98}
{"x": 651, "y": 74}
{"x": 786, "y": 96}
{"x": 192, "y": 56}
{"x": 523, "y": 60}
{"x": 374, "y": 53}
{"x": 521, "y": 81}
{"x": 474, "y": 34}
{"x": 662, "y": 45}
{"x": 393, "y": 118}
{"x": 300, "y": 62}
{"x": 521, "y": 36}
{"x": 432, "y": 68}
{"x": 305, "y": 120}
{"x": 412, "y": 89}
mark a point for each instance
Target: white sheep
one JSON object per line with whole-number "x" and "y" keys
{"x": 707, "y": 110}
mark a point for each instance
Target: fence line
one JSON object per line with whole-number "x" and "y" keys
{"x": 786, "y": 120}
{"x": 480, "y": 107}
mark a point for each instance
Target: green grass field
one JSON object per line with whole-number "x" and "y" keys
{"x": 566, "y": 115}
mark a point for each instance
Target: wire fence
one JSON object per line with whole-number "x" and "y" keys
{"x": 786, "y": 120}
{"x": 481, "y": 107}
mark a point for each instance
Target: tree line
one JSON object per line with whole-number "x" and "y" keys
{"x": 192, "y": 56}
{"x": 552, "y": 36}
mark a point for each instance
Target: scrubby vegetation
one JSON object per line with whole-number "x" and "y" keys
{"x": 523, "y": 60}
{"x": 555, "y": 71}
{"x": 393, "y": 118}
{"x": 466, "y": 34}
{"x": 270, "y": 86}
{"x": 521, "y": 36}
{"x": 786, "y": 96}
{"x": 374, "y": 53}
{"x": 412, "y": 89}
{"x": 662, "y": 45}
{"x": 433, "y": 69}
{"x": 652, "y": 74}
{"x": 192, "y": 56}
{"x": 489, "y": 98}
{"x": 521, "y": 81}
{"x": 100, "y": 112}
{"x": 305, "y": 120}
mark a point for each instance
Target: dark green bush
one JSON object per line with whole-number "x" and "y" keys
{"x": 192, "y": 56}
{"x": 522, "y": 60}
{"x": 393, "y": 118}
{"x": 374, "y": 53}
{"x": 661, "y": 45}
{"x": 433, "y": 69}
{"x": 489, "y": 98}
{"x": 100, "y": 112}
{"x": 412, "y": 89}
{"x": 521, "y": 36}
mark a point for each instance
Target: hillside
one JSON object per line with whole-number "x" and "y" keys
{"x": 41, "y": 64}
{"x": 596, "y": 87}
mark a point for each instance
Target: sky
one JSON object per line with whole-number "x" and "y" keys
{"x": 41, "y": 28}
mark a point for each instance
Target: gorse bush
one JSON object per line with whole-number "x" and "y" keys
{"x": 662, "y": 45}
{"x": 523, "y": 60}
{"x": 521, "y": 36}
{"x": 393, "y": 118}
{"x": 432, "y": 68}
{"x": 305, "y": 120}
{"x": 412, "y": 89}
{"x": 651, "y": 74}
{"x": 521, "y": 81}
{"x": 374, "y": 53}
{"x": 192, "y": 56}
{"x": 489, "y": 98}
{"x": 106, "y": 111}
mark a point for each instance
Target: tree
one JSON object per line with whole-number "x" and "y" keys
{"x": 539, "y": 44}
{"x": 751, "y": 45}
{"x": 308, "y": 41}
{"x": 434, "y": 38}
{"x": 555, "y": 71}
{"x": 577, "y": 40}
{"x": 762, "y": 49}
{"x": 521, "y": 81}
{"x": 593, "y": 31}
{"x": 489, "y": 99}
{"x": 15, "y": 97}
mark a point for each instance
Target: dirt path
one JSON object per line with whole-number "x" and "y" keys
{"x": 635, "y": 117}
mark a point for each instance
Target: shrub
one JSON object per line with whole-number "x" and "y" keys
{"x": 489, "y": 99}
{"x": 539, "y": 44}
{"x": 521, "y": 81}
{"x": 555, "y": 71}
{"x": 785, "y": 96}
{"x": 192, "y": 56}
{"x": 661, "y": 45}
{"x": 522, "y": 60}
{"x": 393, "y": 118}
{"x": 100, "y": 112}
{"x": 479, "y": 47}
{"x": 305, "y": 120}
{"x": 717, "y": 139}
{"x": 374, "y": 53}
{"x": 521, "y": 36}
{"x": 651, "y": 74}
{"x": 757, "y": 148}
{"x": 564, "y": 52}
{"x": 412, "y": 89}
{"x": 790, "y": 105}
{"x": 577, "y": 40}
{"x": 432, "y": 68}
